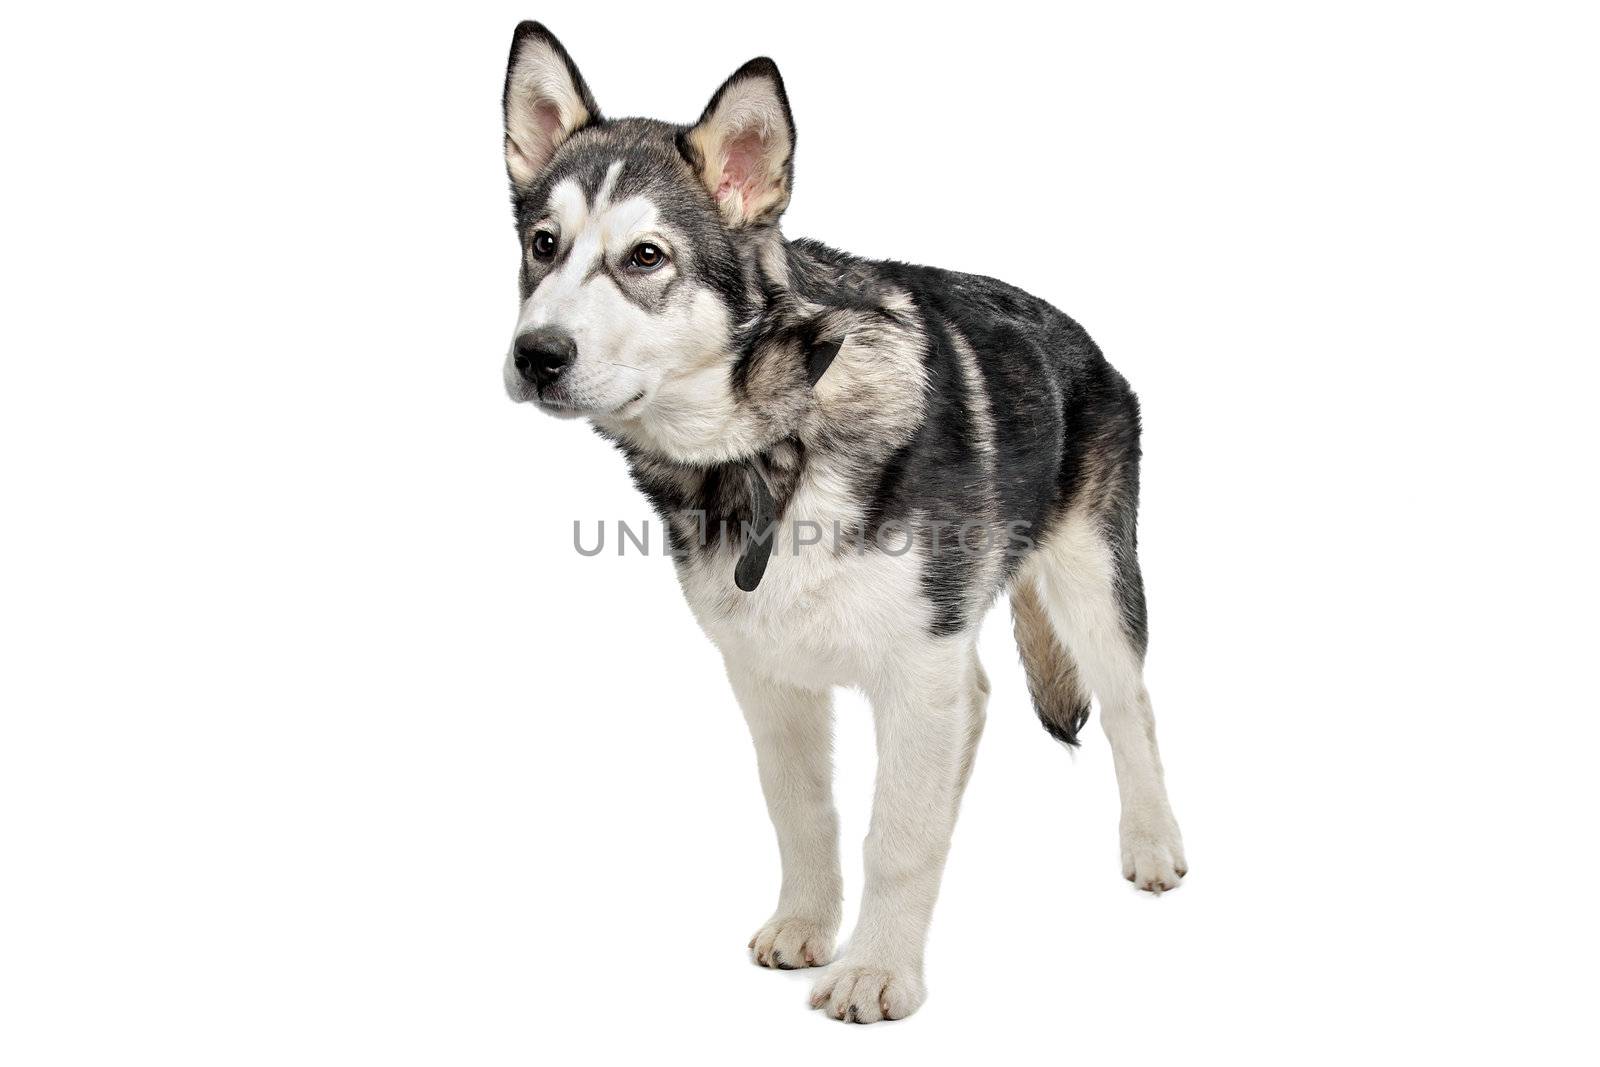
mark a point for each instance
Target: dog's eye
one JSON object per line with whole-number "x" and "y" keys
{"x": 646, "y": 257}
{"x": 544, "y": 244}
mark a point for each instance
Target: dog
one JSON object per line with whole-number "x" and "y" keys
{"x": 957, "y": 437}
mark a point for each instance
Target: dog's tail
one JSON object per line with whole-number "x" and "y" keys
{"x": 1059, "y": 695}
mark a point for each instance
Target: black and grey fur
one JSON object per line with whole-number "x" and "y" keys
{"x": 956, "y": 417}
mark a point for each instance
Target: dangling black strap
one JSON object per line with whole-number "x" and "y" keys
{"x": 820, "y": 359}
{"x": 758, "y": 539}
{"x": 763, "y": 508}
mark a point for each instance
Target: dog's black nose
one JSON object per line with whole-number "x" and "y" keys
{"x": 542, "y": 354}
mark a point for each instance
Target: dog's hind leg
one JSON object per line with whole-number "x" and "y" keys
{"x": 793, "y": 733}
{"x": 1086, "y": 575}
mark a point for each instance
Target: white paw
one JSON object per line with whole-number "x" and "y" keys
{"x": 864, "y": 993}
{"x": 788, "y": 942}
{"x": 1153, "y": 859}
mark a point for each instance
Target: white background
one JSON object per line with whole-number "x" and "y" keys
{"x": 321, "y": 745}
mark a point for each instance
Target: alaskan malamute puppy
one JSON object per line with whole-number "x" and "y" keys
{"x": 852, "y": 460}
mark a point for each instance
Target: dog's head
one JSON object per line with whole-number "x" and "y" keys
{"x": 639, "y": 241}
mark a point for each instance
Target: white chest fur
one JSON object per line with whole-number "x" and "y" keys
{"x": 825, "y": 613}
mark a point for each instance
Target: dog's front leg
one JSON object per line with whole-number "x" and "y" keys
{"x": 927, "y": 715}
{"x": 793, "y": 733}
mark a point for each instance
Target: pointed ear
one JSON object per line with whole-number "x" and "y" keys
{"x": 743, "y": 146}
{"x": 546, "y": 101}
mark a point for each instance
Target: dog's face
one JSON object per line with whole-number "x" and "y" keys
{"x": 637, "y": 239}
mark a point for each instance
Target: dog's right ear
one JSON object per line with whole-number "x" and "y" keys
{"x": 546, "y": 101}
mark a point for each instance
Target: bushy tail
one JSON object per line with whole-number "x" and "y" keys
{"x": 1059, "y": 695}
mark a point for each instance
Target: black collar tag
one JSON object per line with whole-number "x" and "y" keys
{"x": 758, "y": 541}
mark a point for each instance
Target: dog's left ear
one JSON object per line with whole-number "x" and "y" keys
{"x": 546, "y": 101}
{"x": 743, "y": 146}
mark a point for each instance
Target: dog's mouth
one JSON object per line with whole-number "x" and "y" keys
{"x": 563, "y": 408}
{"x": 628, "y": 407}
